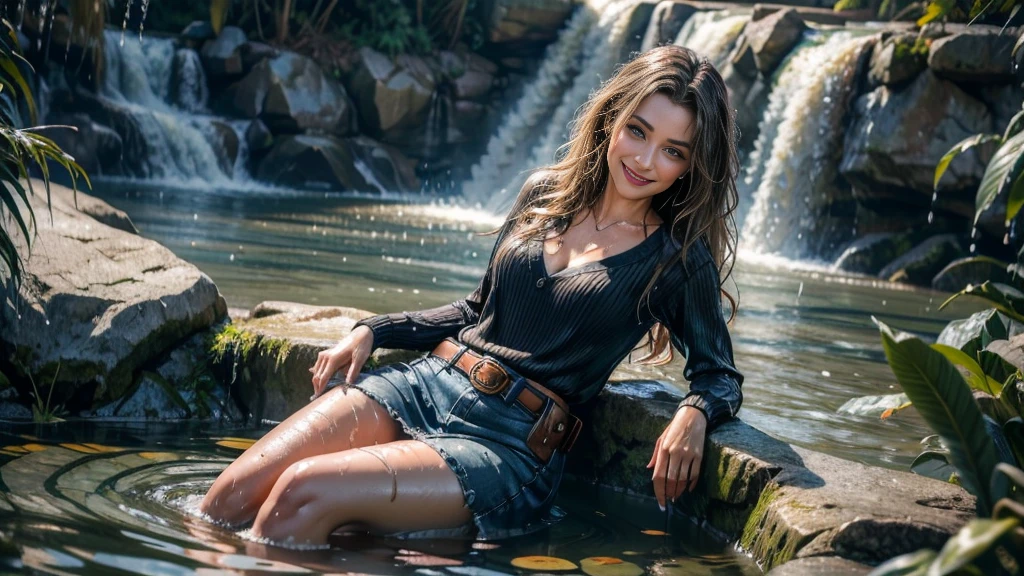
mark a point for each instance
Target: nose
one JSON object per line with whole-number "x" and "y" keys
{"x": 643, "y": 159}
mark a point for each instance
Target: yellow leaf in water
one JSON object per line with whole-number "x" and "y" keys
{"x": 606, "y": 566}
{"x": 10, "y": 453}
{"x": 542, "y": 563}
{"x": 238, "y": 444}
{"x": 654, "y": 532}
{"x": 158, "y": 456}
{"x": 79, "y": 448}
{"x": 102, "y": 448}
{"x": 34, "y": 447}
{"x": 17, "y": 449}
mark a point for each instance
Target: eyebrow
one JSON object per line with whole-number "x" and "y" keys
{"x": 682, "y": 143}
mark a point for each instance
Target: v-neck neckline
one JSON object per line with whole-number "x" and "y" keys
{"x": 629, "y": 255}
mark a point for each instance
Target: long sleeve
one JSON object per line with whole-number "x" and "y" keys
{"x": 424, "y": 329}
{"x": 698, "y": 330}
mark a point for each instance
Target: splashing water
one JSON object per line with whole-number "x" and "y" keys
{"x": 792, "y": 162}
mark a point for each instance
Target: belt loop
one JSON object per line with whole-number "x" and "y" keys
{"x": 512, "y": 392}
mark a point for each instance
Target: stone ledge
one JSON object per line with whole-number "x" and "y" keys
{"x": 782, "y": 503}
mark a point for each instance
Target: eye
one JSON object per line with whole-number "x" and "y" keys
{"x": 674, "y": 152}
{"x": 636, "y": 130}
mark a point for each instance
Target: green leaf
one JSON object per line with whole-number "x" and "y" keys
{"x": 219, "y": 13}
{"x": 1005, "y": 478}
{"x": 1006, "y": 299}
{"x": 975, "y": 376}
{"x": 913, "y": 564}
{"x": 1001, "y": 173}
{"x": 944, "y": 400}
{"x": 1013, "y": 429}
{"x": 1014, "y": 126}
{"x": 973, "y": 540}
{"x": 936, "y": 9}
{"x": 996, "y": 369}
{"x": 959, "y": 148}
{"x": 872, "y": 405}
{"x": 933, "y": 465}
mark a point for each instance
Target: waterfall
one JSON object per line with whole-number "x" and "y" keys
{"x": 713, "y": 33}
{"x": 793, "y": 167}
{"x": 508, "y": 149}
{"x": 182, "y": 145}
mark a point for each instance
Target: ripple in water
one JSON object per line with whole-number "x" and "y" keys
{"x": 88, "y": 498}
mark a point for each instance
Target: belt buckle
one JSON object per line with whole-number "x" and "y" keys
{"x": 492, "y": 385}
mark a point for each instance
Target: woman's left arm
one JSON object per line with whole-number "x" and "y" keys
{"x": 698, "y": 329}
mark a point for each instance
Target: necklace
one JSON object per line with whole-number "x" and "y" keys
{"x": 621, "y": 222}
{"x": 558, "y": 241}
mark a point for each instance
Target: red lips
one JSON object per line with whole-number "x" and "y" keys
{"x": 634, "y": 178}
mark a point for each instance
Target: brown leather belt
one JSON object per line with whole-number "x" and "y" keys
{"x": 556, "y": 427}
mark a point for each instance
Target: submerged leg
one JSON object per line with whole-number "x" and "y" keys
{"x": 395, "y": 487}
{"x": 341, "y": 419}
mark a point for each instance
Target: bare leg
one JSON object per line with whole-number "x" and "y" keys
{"x": 401, "y": 486}
{"x": 341, "y": 419}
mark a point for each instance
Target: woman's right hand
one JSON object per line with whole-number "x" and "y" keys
{"x": 349, "y": 354}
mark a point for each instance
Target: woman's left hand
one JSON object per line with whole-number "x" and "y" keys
{"x": 678, "y": 454}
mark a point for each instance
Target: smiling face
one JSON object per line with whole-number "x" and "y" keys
{"x": 652, "y": 149}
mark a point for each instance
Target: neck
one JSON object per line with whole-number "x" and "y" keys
{"x": 612, "y": 207}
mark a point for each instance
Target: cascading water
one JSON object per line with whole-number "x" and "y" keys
{"x": 793, "y": 167}
{"x": 181, "y": 143}
{"x": 508, "y": 148}
{"x": 713, "y": 33}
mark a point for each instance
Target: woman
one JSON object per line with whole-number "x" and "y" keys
{"x": 628, "y": 235}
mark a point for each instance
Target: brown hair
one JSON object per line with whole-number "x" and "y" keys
{"x": 700, "y": 205}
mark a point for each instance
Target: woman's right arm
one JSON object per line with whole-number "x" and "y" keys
{"x": 424, "y": 329}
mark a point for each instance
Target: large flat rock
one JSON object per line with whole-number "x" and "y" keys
{"x": 97, "y": 302}
{"x": 781, "y": 502}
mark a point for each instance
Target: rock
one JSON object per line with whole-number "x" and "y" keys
{"x": 388, "y": 96}
{"x": 253, "y": 53}
{"x": 96, "y": 148}
{"x": 133, "y": 158}
{"x": 923, "y": 261}
{"x": 870, "y": 253}
{"x": 14, "y": 411}
{"x": 898, "y": 136}
{"x": 973, "y": 57}
{"x": 196, "y": 33}
{"x": 772, "y": 37}
{"x": 1004, "y": 101}
{"x": 258, "y": 137}
{"x": 636, "y": 27}
{"x": 226, "y": 144}
{"x": 472, "y": 75}
{"x": 359, "y": 164}
{"x": 290, "y": 94}
{"x": 813, "y": 566}
{"x": 221, "y": 56}
{"x": 665, "y": 23}
{"x": 97, "y": 304}
{"x": 781, "y": 501}
{"x": 526, "y": 26}
{"x": 272, "y": 376}
{"x": 973, "y": 270}
{"x": 897, "y": 60}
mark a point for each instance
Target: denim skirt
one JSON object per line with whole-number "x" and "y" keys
{"x": 481, "y": 437}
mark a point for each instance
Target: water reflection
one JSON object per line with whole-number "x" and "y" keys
{"x": 796, "y": 321}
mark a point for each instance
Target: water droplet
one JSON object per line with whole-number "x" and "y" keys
{"x": 973, "y": 247}
{"x": 434, "y": 279}
{"x": 231, "y": 258}
{"x": 884, "y": 302}
{"x": 826, "y": 373}
{"x": 931, "y": 217}
{"x": 195, "y": 217}
{"x": 344, "y": 258}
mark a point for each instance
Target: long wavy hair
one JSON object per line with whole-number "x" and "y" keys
{"x": 700, "y": 205}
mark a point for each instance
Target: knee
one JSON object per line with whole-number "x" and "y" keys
{"x": 289, "y": 504}
{"x": 231, "y": 500}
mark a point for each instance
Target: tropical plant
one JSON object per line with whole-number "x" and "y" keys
{"x": 933, "y": 378}
{"x": 960, "y": 10}
{"x": 19, "y": 148}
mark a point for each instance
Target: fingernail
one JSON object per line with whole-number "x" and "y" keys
{"x": 660, "y": 506}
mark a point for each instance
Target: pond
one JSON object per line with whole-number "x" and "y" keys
{"x": 95, "y": 498}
